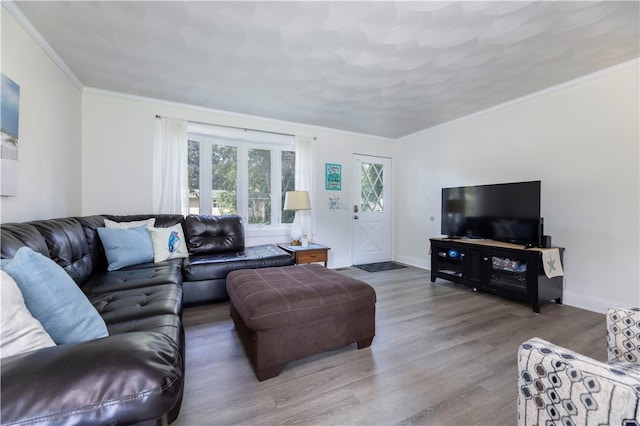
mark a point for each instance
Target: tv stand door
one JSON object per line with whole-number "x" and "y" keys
{"x": 456, "y": 262}
{"x": 473, "y": 273}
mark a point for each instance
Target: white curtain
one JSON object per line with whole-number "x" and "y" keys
{"x": 305, "y": 160}
{"x": 170, "y": 183}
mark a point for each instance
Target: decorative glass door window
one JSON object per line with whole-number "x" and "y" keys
{"x": 372, "y": 187}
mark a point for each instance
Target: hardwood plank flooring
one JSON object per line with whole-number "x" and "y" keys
{"x": 442, "y": 355}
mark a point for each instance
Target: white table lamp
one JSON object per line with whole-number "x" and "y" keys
{"x": 296, "y": 200}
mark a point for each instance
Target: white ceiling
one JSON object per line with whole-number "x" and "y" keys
{"x": 380, "y": 68}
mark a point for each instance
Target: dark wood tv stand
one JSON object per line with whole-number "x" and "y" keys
{"x": 503, "y": 269}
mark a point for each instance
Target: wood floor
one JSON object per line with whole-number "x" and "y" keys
{"x": 442, "y": 355}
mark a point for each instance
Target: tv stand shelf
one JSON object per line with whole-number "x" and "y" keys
{"x": 504, "y": 269}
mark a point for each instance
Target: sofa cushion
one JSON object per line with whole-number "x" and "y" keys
{"x": 19, "y": 330}
{"x": 126, "y": 247}
{"x": 128, "y": 378}
{"x": 218, "y": 265}
{"x": 204, "y": 291}
{"x": 169, "y": 325}
{"x": 123, "y": 279}
{"x": 67, "y": 245}
{"x": 54, "y": 299}
{"x": 90, "y": 225}
{"x": 214, "y": 234}
{"x": 138, "y": 303}
{"x": 17, "y": 235}
{"x": 168, "y": 243}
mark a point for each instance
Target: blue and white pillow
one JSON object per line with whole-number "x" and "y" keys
{"x": 168, "y": 243}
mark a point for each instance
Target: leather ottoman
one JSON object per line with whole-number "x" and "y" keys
{"x": 287, "y": 313}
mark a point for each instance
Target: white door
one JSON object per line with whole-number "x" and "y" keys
{"x": 371, "y": 209}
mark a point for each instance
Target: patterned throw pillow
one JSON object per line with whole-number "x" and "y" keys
{"x": 623, "y": 334}
{"x": 168, "y": 243}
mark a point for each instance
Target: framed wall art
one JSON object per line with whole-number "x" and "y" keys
{"x": 9, "y": 120}
{"x": 333, "y": 177}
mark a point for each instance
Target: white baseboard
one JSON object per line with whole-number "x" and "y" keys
{"x": 413, "y": 261}
{"x": 590, "y": 303}
{"x": 577, "y": 300}
{"x": 339, "y": 263}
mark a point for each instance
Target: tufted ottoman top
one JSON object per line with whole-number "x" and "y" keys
{"x": 276, "y": 297}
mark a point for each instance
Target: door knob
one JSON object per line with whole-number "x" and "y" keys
{"x": 355, "y": 216}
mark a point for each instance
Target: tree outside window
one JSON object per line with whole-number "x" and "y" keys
{"x": 224, "y": 172}
{"x": 288, "y": 182}
{"x": 259, "y": 194}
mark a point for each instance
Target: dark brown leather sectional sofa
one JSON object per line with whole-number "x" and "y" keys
{"x": 136, "y": 374}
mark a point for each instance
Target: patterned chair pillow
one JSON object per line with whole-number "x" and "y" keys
{"x": 557, "y": 386}
{"x": 623, "y": 334}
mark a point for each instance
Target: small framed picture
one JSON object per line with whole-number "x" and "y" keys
{"x": 333, "y": 174}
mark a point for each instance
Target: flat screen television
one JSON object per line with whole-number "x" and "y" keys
{"x": 504, "y": 212}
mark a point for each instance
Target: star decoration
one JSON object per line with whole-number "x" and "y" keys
{"x": 552, "y": 264}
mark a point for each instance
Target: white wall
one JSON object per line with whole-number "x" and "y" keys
{"x": 49, "y": 162}
{"x": 581, "y": 140}
{"x": 117, "y": 132}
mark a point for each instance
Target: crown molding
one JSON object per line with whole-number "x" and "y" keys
{"x": 528, "y": 97}
{"x": 15, "y": 11}
{"x": 231, "y": 114}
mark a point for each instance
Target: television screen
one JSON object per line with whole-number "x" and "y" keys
{"x": 504, "y": 212}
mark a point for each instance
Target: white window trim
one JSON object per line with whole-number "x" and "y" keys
{"x": 244, "y": 140}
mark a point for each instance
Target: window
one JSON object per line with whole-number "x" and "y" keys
{"x": 248, "y": 178}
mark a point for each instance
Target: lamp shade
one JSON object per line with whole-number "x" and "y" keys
{"x": 297, "y": 200}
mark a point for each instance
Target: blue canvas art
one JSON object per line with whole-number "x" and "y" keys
{"x": 9, "y": 124}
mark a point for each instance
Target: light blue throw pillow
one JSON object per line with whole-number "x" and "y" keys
{"x": 126, "y": 247}
{"x": 54, "y": 299}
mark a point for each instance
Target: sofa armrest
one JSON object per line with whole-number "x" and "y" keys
{"x": 560, "y": 386}
{"x": 623, "y": 334}
{"x": 121, "y": 379}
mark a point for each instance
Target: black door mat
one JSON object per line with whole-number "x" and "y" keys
{"x": 380, "y": 266}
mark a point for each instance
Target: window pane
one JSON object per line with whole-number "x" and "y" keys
{"x": 193, "y": 160}
{"x": 288, "y": 182}
{"x": 372, "y": 178}
{"x": 224, "y": 164}
{"x": 259, "y": 191}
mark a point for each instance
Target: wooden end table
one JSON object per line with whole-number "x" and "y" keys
{"x": 310, "y": 254}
